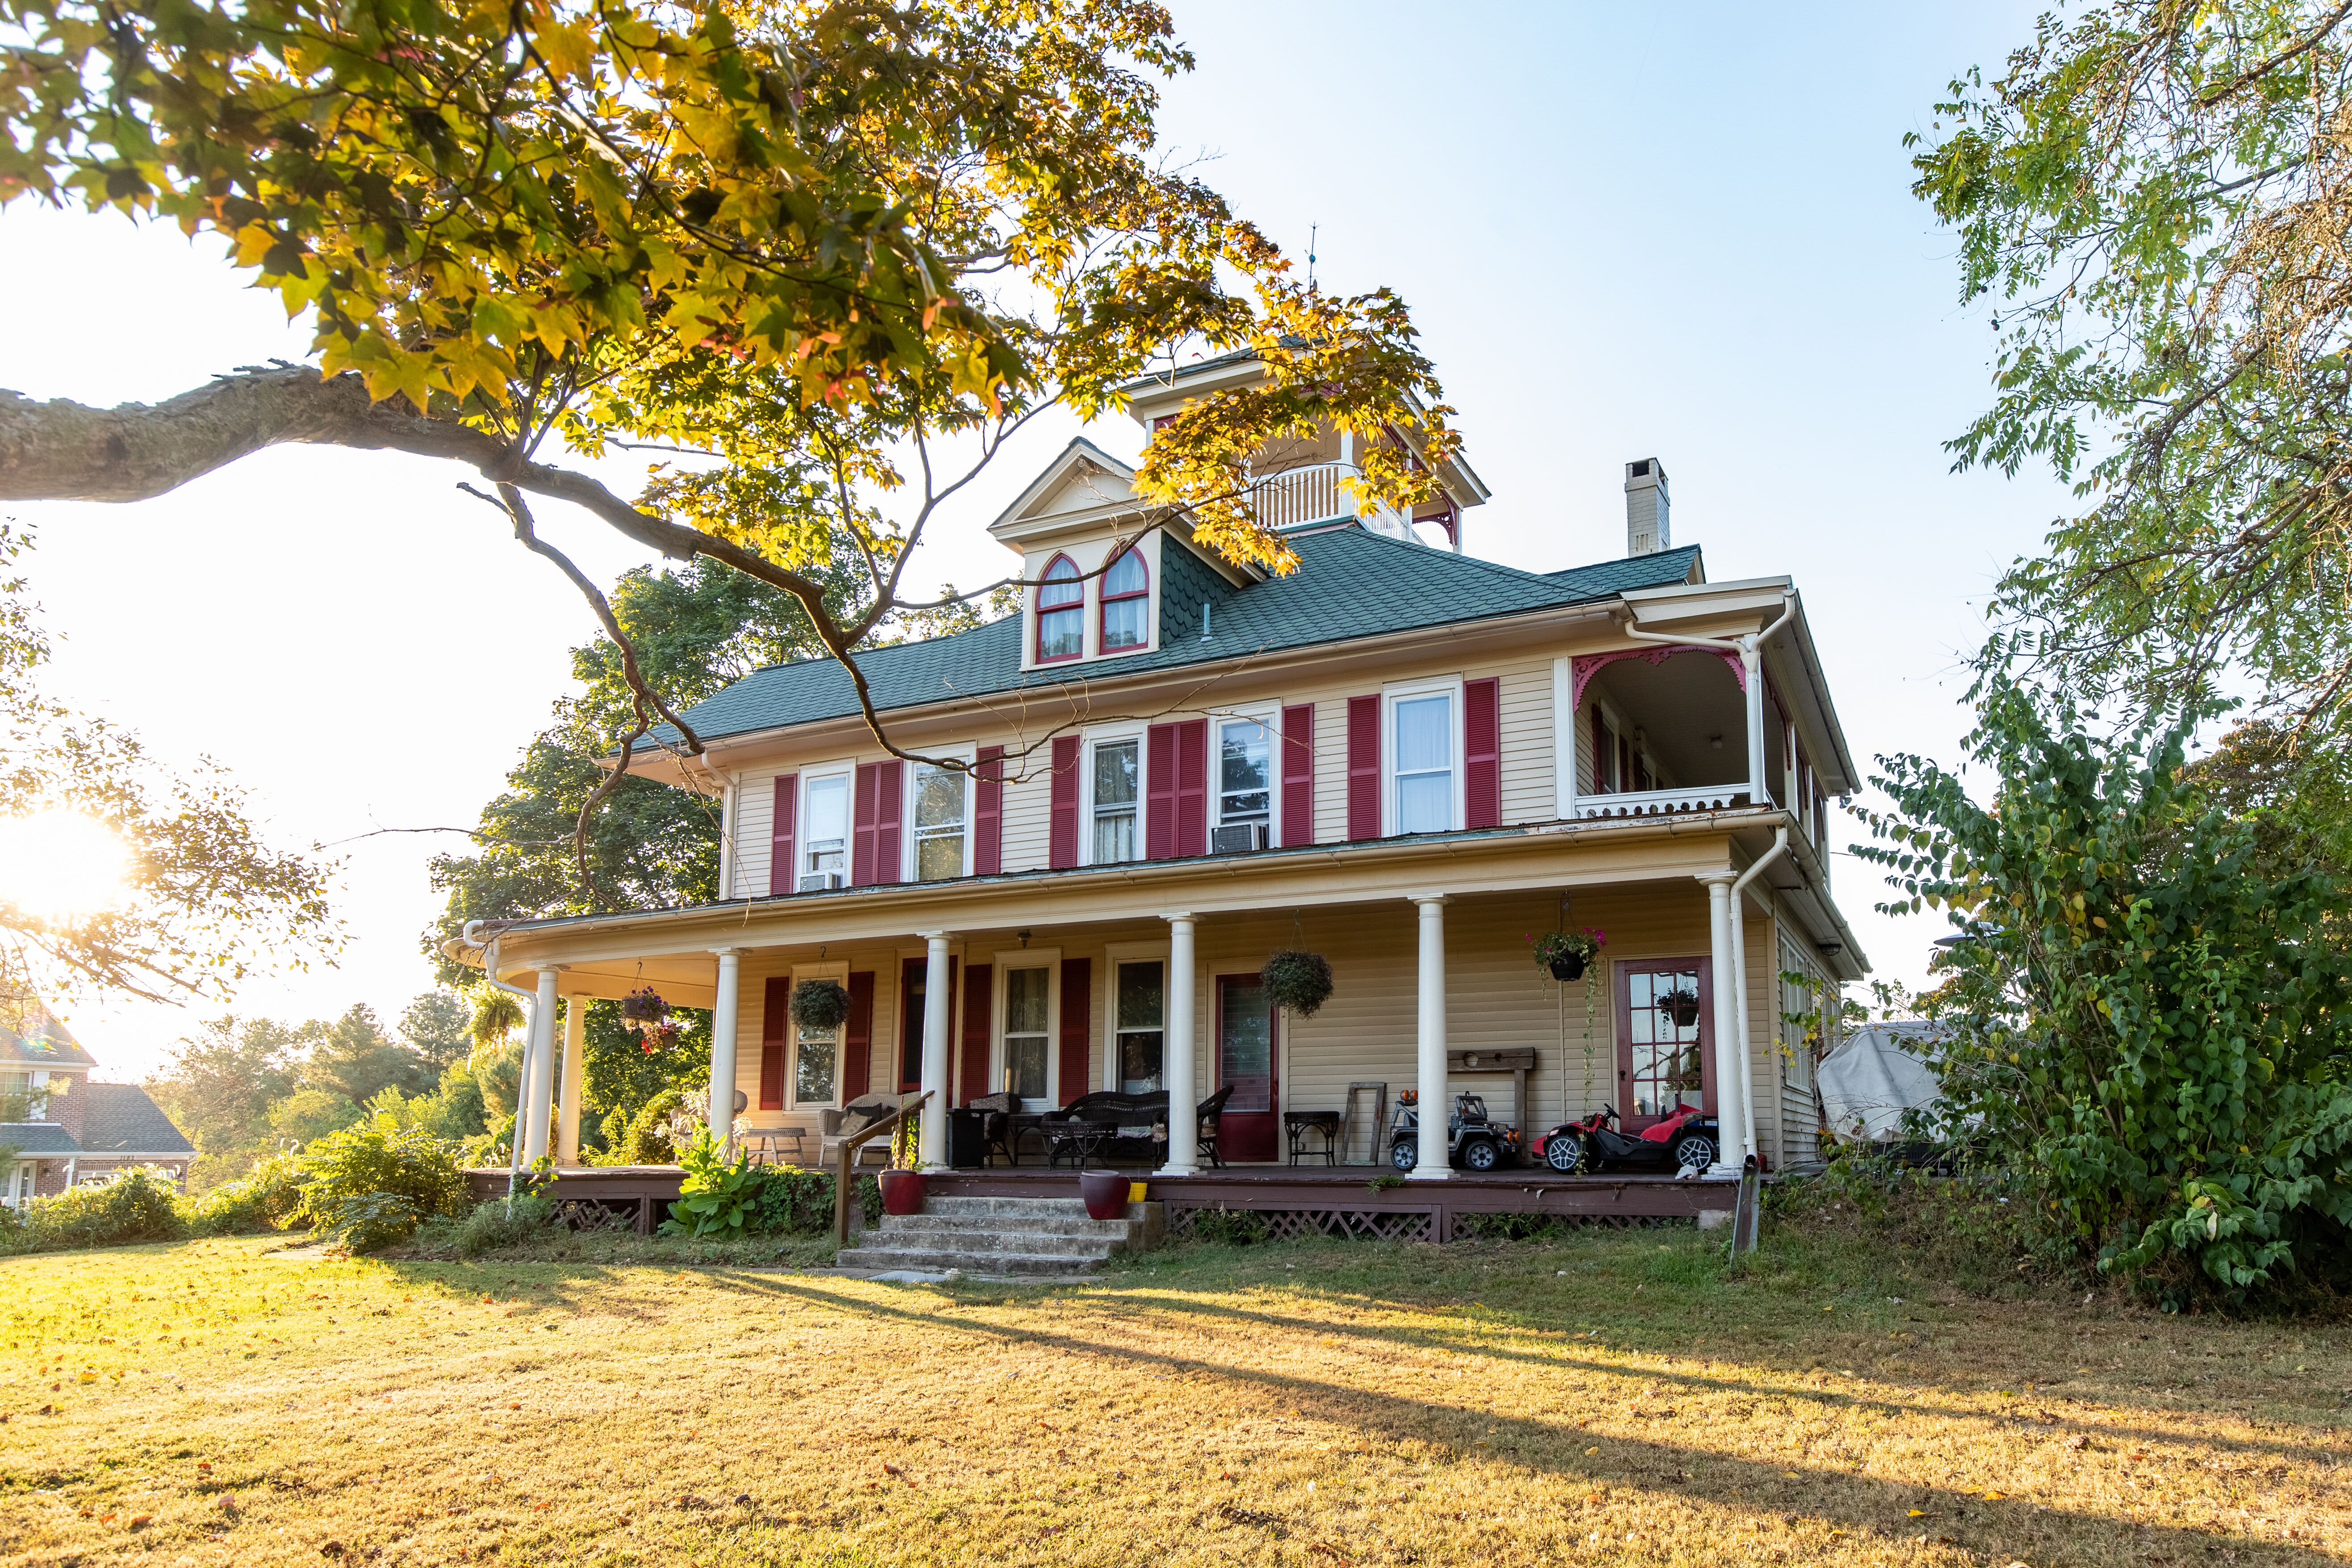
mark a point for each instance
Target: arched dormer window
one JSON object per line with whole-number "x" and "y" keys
{"x": 1125, "y": 604}
{"x": 1061, "y": 612}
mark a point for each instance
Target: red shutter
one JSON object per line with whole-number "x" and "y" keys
{"x": 1078, "y": 1021}
{"x": 1193, "y": 787}
{"x": 1298, "y": 775}
{"x": 1159, "y": 792}
{"x": 861, "y": 833}
{"x": 779, "y": 844}
{"x": 1482, "y": 748}
{"x": 987, "y": 813}
{"x": 1062, "y": 839}
{"x": 889, "y": 791}
{"x": 1363, "y": 767}
{"x": 858, "y": 1038}
{"x": 977, "y": 983}
{"x": 773, "y": 1018}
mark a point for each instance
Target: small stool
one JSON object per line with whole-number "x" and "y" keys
{"x": 1380, "y": 1096}
{"x": 761, "y": 1143}
{"x": 1302, "y": 1124}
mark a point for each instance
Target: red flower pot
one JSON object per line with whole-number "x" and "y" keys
{"x": 1105, "y": 1192}
{"x": 902, "y": 1191}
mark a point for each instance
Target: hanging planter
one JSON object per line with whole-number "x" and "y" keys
{"x": 644, "y": 1006}
{"x": 820, "y": 1005}
{"x": 1566, "y": 953}
{"x": 656, "y": 1038}
{"x": 1299, "y": 981}
{"x": 1680, "y": 1005}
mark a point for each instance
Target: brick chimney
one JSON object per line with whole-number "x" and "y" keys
{"x": 1647, "y": 532}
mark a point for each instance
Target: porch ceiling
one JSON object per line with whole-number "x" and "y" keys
{"x": 1678, "y": 703}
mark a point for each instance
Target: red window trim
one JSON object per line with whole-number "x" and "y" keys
{"x": 1105, "y": 599}
{"x": 1039, "y": 612}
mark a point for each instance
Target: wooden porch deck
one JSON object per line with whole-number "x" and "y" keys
{"x": 1337, "y": 1200}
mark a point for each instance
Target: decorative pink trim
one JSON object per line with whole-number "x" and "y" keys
{"x": 1588, "y": 665}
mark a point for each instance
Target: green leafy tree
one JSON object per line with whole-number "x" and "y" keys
{"x": 353, "y": 1059}
{"x": 2152, "y": 197}
{"x": 622, "y": 1077}
{"x": 219, "y": 1084}
{"x": 833, "y": 255}
{"x": 2150, "y": 1026}
{"x": 308, "y": 1115}
{"x": 434, "y": 1028}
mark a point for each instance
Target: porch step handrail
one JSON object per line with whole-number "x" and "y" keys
{"x": 846, "y": 1157}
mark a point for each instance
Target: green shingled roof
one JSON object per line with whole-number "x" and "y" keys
{"x": 1349, "y": 584}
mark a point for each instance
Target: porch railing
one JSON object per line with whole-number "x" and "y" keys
{"x": 1661, "y": 801}
{"x": 845, "y": 1162}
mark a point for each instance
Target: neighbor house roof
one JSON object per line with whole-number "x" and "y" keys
{"x": 1349, "y": 584}
{"x": 37, "y": 1138}
{"x": 45, "y": 1043}
{"x": 119, "y": 1119}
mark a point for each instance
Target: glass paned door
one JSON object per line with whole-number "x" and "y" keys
{"x": 1665, "y": 1037}
{"x": 1245, "y": 1064}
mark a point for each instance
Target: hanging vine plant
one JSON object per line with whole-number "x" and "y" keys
{"x": 1299, "y": 981}
{"x": 820, "y": 1005}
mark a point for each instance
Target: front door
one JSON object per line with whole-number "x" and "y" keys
{"x": 1249, "y": 1130}
{"x": 1665, "y": 1037}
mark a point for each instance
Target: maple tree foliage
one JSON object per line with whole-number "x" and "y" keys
{"x": 833, "y": 255}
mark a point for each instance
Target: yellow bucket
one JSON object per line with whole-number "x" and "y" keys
{"x": 1135, "y": 1191}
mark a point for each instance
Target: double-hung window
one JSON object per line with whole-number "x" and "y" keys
{"x": 825, "y": 841}
{"x": 1028, "y": 1013}
{"x": 1125, "y": 604}
{"x": 1061, "y": 612}
{"x": 816, "y": 1053}
{"x": 939, "y": 822}
{"x": 1425, "y": 768}
{"x": 1140, "y": 1009}
{"x": 1245, "y": 772}
{"x": 1118, "y": 787}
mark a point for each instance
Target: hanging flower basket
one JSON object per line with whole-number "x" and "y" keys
{"x": 820, "y": 1004}
{"x": 1566, "y": 953}
{"x": 644, "y": 1006}
{"x": 1299, "y": 981}
{"x": 1680, "y": 1005}
{"x": 656, "y": 1038}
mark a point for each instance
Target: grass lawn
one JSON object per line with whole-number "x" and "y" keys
{"x": 1608, "y": 1398}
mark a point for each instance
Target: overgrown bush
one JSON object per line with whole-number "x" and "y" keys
{"x": 377, "y": 1159}
{"x": 644, "y": 1138}
{"x": 370, "y": 1222}
{"x": 495, "y": 1224}
{"x": 140, "y": 1205}
{"x": 2150, "y": 1030}
{"x": 268, "y": 1199}
{"x": 1229, "y": 1228}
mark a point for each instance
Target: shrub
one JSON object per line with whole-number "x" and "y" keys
{"x": 1229, "y": 1228}
{"x": 140, "y": 1205}
{"x": 494, "y": 1225}
{"x": 370, "y": 1222}
{"x": 645, "y": 1138}
{"x": 379, "y": 1159}
{"x": 267, "y": 1199}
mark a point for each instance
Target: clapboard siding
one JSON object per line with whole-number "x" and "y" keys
{"x": 1527, "y": 741}
{"x": 1028, "y": 802}
{"x": 755, "y": 816}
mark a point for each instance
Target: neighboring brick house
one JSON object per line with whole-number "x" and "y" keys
{"x": 73, "y": 1131}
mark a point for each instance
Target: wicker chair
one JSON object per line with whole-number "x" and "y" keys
{"x": 996, "y": 1134}
{"x": 836, "y": 1127}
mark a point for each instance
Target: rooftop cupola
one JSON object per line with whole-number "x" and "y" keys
{"x": 1646, "y": 530}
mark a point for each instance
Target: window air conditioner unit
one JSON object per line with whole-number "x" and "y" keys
{"x": 819, "y": 882}
{"x": 1238, "y": 838}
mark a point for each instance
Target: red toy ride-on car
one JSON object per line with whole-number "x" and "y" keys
{"x": 1687, "y": 1138}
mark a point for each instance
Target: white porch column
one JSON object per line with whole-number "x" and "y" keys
{"x": 567, "y": 1116}
{"x": 1729, "y": 1078}
{"x": 1564, "y": 740}
{"x": 936, "y": 1013}
{"x": 722, "y": 1049}
{"x": 539, "y": 1090}
{"x": 1752, "y": 664}
{"x": 1429, "y": 1070}
{"x": 1176, "y": 1065}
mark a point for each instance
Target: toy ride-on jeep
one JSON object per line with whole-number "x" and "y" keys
{"x": 1473, "y": 1142}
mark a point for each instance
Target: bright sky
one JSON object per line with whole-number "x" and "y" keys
{"x": 1626, "y": 231}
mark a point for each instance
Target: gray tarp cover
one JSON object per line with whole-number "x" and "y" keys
{"x": 1874, "y": 1077}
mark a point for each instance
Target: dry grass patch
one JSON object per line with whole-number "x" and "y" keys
{"x": 1604, "y": 1399}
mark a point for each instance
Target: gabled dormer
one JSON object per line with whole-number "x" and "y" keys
{"x": 1102, "y": 583}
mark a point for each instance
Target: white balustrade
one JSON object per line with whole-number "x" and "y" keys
{"x": 1661, "y": 801}
{"x": 1295, "y": 496}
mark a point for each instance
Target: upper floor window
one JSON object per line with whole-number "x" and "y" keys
{"x": 824, "y": 846}
{"x": 1424, "y": 764}
{"x": 1061, "y": 612}
{"x": 939, "y": 822}
{"x": 1117, "y": 781}
{"x": 1245, "y": 772}
{"x": 1125, "y": 604}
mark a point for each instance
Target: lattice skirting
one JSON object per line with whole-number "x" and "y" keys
{"x": 1289, "y": 1225}
{"x": 599, "y": 1213}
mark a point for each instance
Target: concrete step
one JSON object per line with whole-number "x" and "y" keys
{"x": 1085, "y": 1246}
{"x": 1008, "y": 1224}
{"x": 882, "y": 1260}
{"x": 1071, "y": 1208}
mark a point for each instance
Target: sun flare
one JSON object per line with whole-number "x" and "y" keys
{"x": 60, "y": 866}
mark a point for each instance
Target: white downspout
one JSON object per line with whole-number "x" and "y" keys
{"x": 1740, "y": 980}
{"x": 530, "y": 1038}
